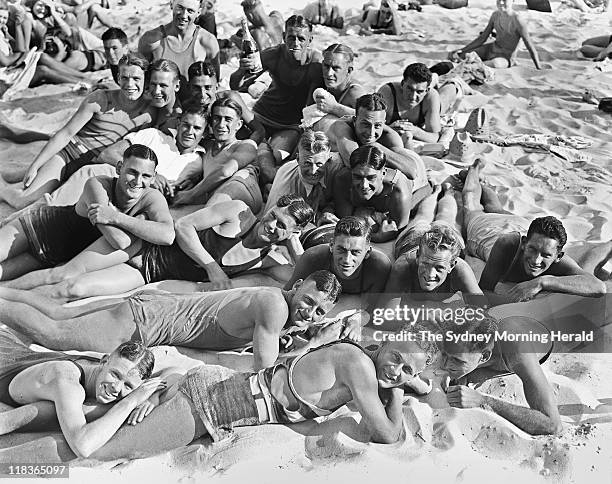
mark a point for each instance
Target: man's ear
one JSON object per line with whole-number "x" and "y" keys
{"x": 368, "y": 252}
{"x": 104, "y": 358}
{"x": 350, "y": 69}
{"x": 453, "y": 264}
{"x": 177, "y": 87}
{"x": 560, "y": 255}
{"x": 523, "y": 240}
{"x": 119, "y": 167}
{"x": 485, "y": 356}
{"x": 297, "y": 284}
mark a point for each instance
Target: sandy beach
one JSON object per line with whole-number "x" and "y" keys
{"x": 443, "y": 444}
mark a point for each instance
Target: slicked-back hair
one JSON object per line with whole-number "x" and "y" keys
{"x": 298, "y": 21}
{"x": 485, "y": 325}
{"x": 326, "y": 282}
{"x": 193, "y": 107}
{"x": 550, "y": 227}
{"x": 201, "y": 68}
{"x": 418, "y": 72}
{"x": 297, "y": 208}
{"x": 140, "y": 151}
{"x": 418, "y": 328}
{"x": 136, "y": 352}
{"x": 165, "y": 65}
{"x": 345, "y": 50}
{"x": 115, "y": 33}
{"x": 226, "y": 102}
{"x": 440, "y": 238}
{"x": 368, "y": 155}
{"x": 314, "y": 141}
{"x": 134, "y": 59}
{"x": 353, "y": 227}
{"x": 371, "y": 102}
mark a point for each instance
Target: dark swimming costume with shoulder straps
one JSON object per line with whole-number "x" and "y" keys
{"x": 395, "y": 115}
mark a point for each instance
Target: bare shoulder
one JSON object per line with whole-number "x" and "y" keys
{"x": 353, "y": 363}
{"x": 207, "y": 39}
{"x": 269, "y": 301}
{"x": 41, "y": 380}
{"x": 151, "y": 36}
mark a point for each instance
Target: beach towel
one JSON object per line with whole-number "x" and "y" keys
{"x": 471, "y": 69}
{"x": 16, "y": 78}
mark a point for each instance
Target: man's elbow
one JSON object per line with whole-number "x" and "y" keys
{"x": 82, "y": 448}
{"x": 119, "y": 241}
{"x": 386, "y": 437}
{"x": 599, "y": 289}
{"x": 167, "y": 235}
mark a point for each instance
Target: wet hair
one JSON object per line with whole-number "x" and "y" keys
{"x": 226, "y": 102}
{"x": 341, "y": 49}
{"x": 368, "y": 155}
{"x": 298, "y": 21}
{"x": 550, "y": 227}
{"x": 314, "y": 141}
{"x": 201, "y": 68}
{"x": 485, "y": 325}
{"x": 134, "y": 59}
{"x": 326, "y": 282}
{"x": 353, "y": 227}
{"x": 135, "y": 351}
{"x": 115, "y": 33}
{"x": 140, "y": 151}
{"x": 165, "y": 65}
{"x": 418, "y": 72}
{"x": 430, "y": 348}
{"x": 192, "y": 107}
{"x": 439, "y": 238}
{"x": 371, "y": 102}
{"x": 297, "y": 208}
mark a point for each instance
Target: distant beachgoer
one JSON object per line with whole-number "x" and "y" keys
{"x": 181, "y": 40}
{"x": 414, "y": 105}
{"x": 58, "y": 384}
{"x": 599, "y": 48}
{"x": 591, "y": 6}
{"x": 510, "y": 29}
{"x": 323, "y": 12}
{"x": 534, "y": 262}
{"x": 206, "y": 19}
{"x": 382, "y": 20}
{"x": 115, "y": 43}
{"x": 267, "y": 29}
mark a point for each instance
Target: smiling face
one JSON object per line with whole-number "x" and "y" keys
{"x": 312, "y": 166}
{"x": 366, "y": 181}
{"x": 297, "y": 40}
{"x": 336, "y": 70}
{"x": 348, "y": 253}
{"x": 184, "y": 13}
{"x": 369, "y": 126}
{"x": 190, "y": 131}
{"x": 114, "y": 50}
{"x": 308, "y": 305}
{"x": 117, "y": 378}
{"x": 414, "y": 92}
{"x": 4, "y": 15}
{"x": 505, "y": 5}
{"x": 163, "y": 88}
{"x": 203, "y": 89}
{"x": 458, "y": 361}
{"x": 40, "y": 10}
{"x": 225, "y": 123}
{"x": 135, "y": 176}
{"x": 433, "y": 267}
{"x": 277, "y": 225}
{"x": 539, "y": 252}
{"x": 398, "y": 362}
{"x": 131, "y": 81}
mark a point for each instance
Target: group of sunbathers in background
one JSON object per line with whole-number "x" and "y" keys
{"x": 245, "y": 229}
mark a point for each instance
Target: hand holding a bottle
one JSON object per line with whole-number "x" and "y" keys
{"x": 250, "y": 63}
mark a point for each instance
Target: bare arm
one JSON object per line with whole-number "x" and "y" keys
{"x": 568, "y": 277}
{"x": 497, "y": 264}
{"x": 482, "y": 38}
{"x": 258, "y": 132}
{"x": 113, "y": 154}
{"x": 528, "y": 43}
{"x": 399, "y": 212}
{"x": 270, "y": 316}
{"x": 465, "y": 281}
{"x": 343, "y": 134}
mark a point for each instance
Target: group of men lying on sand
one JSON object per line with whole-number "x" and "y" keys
{"x": 124, "y": 157}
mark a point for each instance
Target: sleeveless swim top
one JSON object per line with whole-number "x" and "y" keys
{"x": 395, "y": 115}
{"x": 183, "y": 59}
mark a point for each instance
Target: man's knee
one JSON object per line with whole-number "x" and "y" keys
{"x": 65, "y": 272}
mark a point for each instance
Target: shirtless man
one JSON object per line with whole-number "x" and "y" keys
{"x": 95, "y": 233}
{"x": 510, "y": 29}
{"x": 181, "y": 40}
{"x": 368, "y": 128}
{"x": 323, "y": 12}
{"x": 217, "y": 320}
{"x": 383, "y": 20}
{"x": 295, "y": 68}
{"x": 326, "y": 377}
{"x": 267, "y": 29}
{"x": 115, "y": 43}
{"x": 48, "y": 385}
{"x": 341, "y": 92}
{"x": 476, "y": 362}
{"x": 534, "y": 262}
{"x": 381, "y": 195}
{"x": 202, "y": 87}
{"x": 414, "y": 105}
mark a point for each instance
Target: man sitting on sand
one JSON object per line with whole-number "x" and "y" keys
{"x": 368, "y": 128}
{"x": 510, "y": 29}
{"x": 202, "y": 87}
{"x": 216, "y": 320}
{"x": 97, "y": 232}
{"x": 427, "y": 265}
{"x": 181, "y": 40}
{"x": 478, "y": 361}
{"x": 381, "y": 195}
{"x": 324, "y": 12}
{"x": 267, "y": 28}
{"x": 415, "y": 106}
{"x": 534, "y": 262}
{"x": 383, "y": 20}
{"x": 44, "y": 385}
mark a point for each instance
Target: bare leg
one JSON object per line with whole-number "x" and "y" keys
{"x": 47, "y": 179}
{"x": 14, "y": 257}
{"x": 99, "y": 331}
{"x": 426, "y": 209}
{"x": 102, "y": 14}
{"x": 448, "y": 97}
{"x": 61, "y": 69}
{"x": 447, "y": 208}
{"x": 490, "y": 201}
{"x": 472, "y": 191}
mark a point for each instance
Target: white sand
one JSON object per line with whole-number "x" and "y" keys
{"x": 457, "y": 445}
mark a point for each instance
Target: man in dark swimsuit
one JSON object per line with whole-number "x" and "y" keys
{"x": 474, "y": 361}
{"x": 218, "y": 320}
{"x": 115, "y": 43}
{"x": 211, "y": 400}
{"x": 45, "y": 386}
